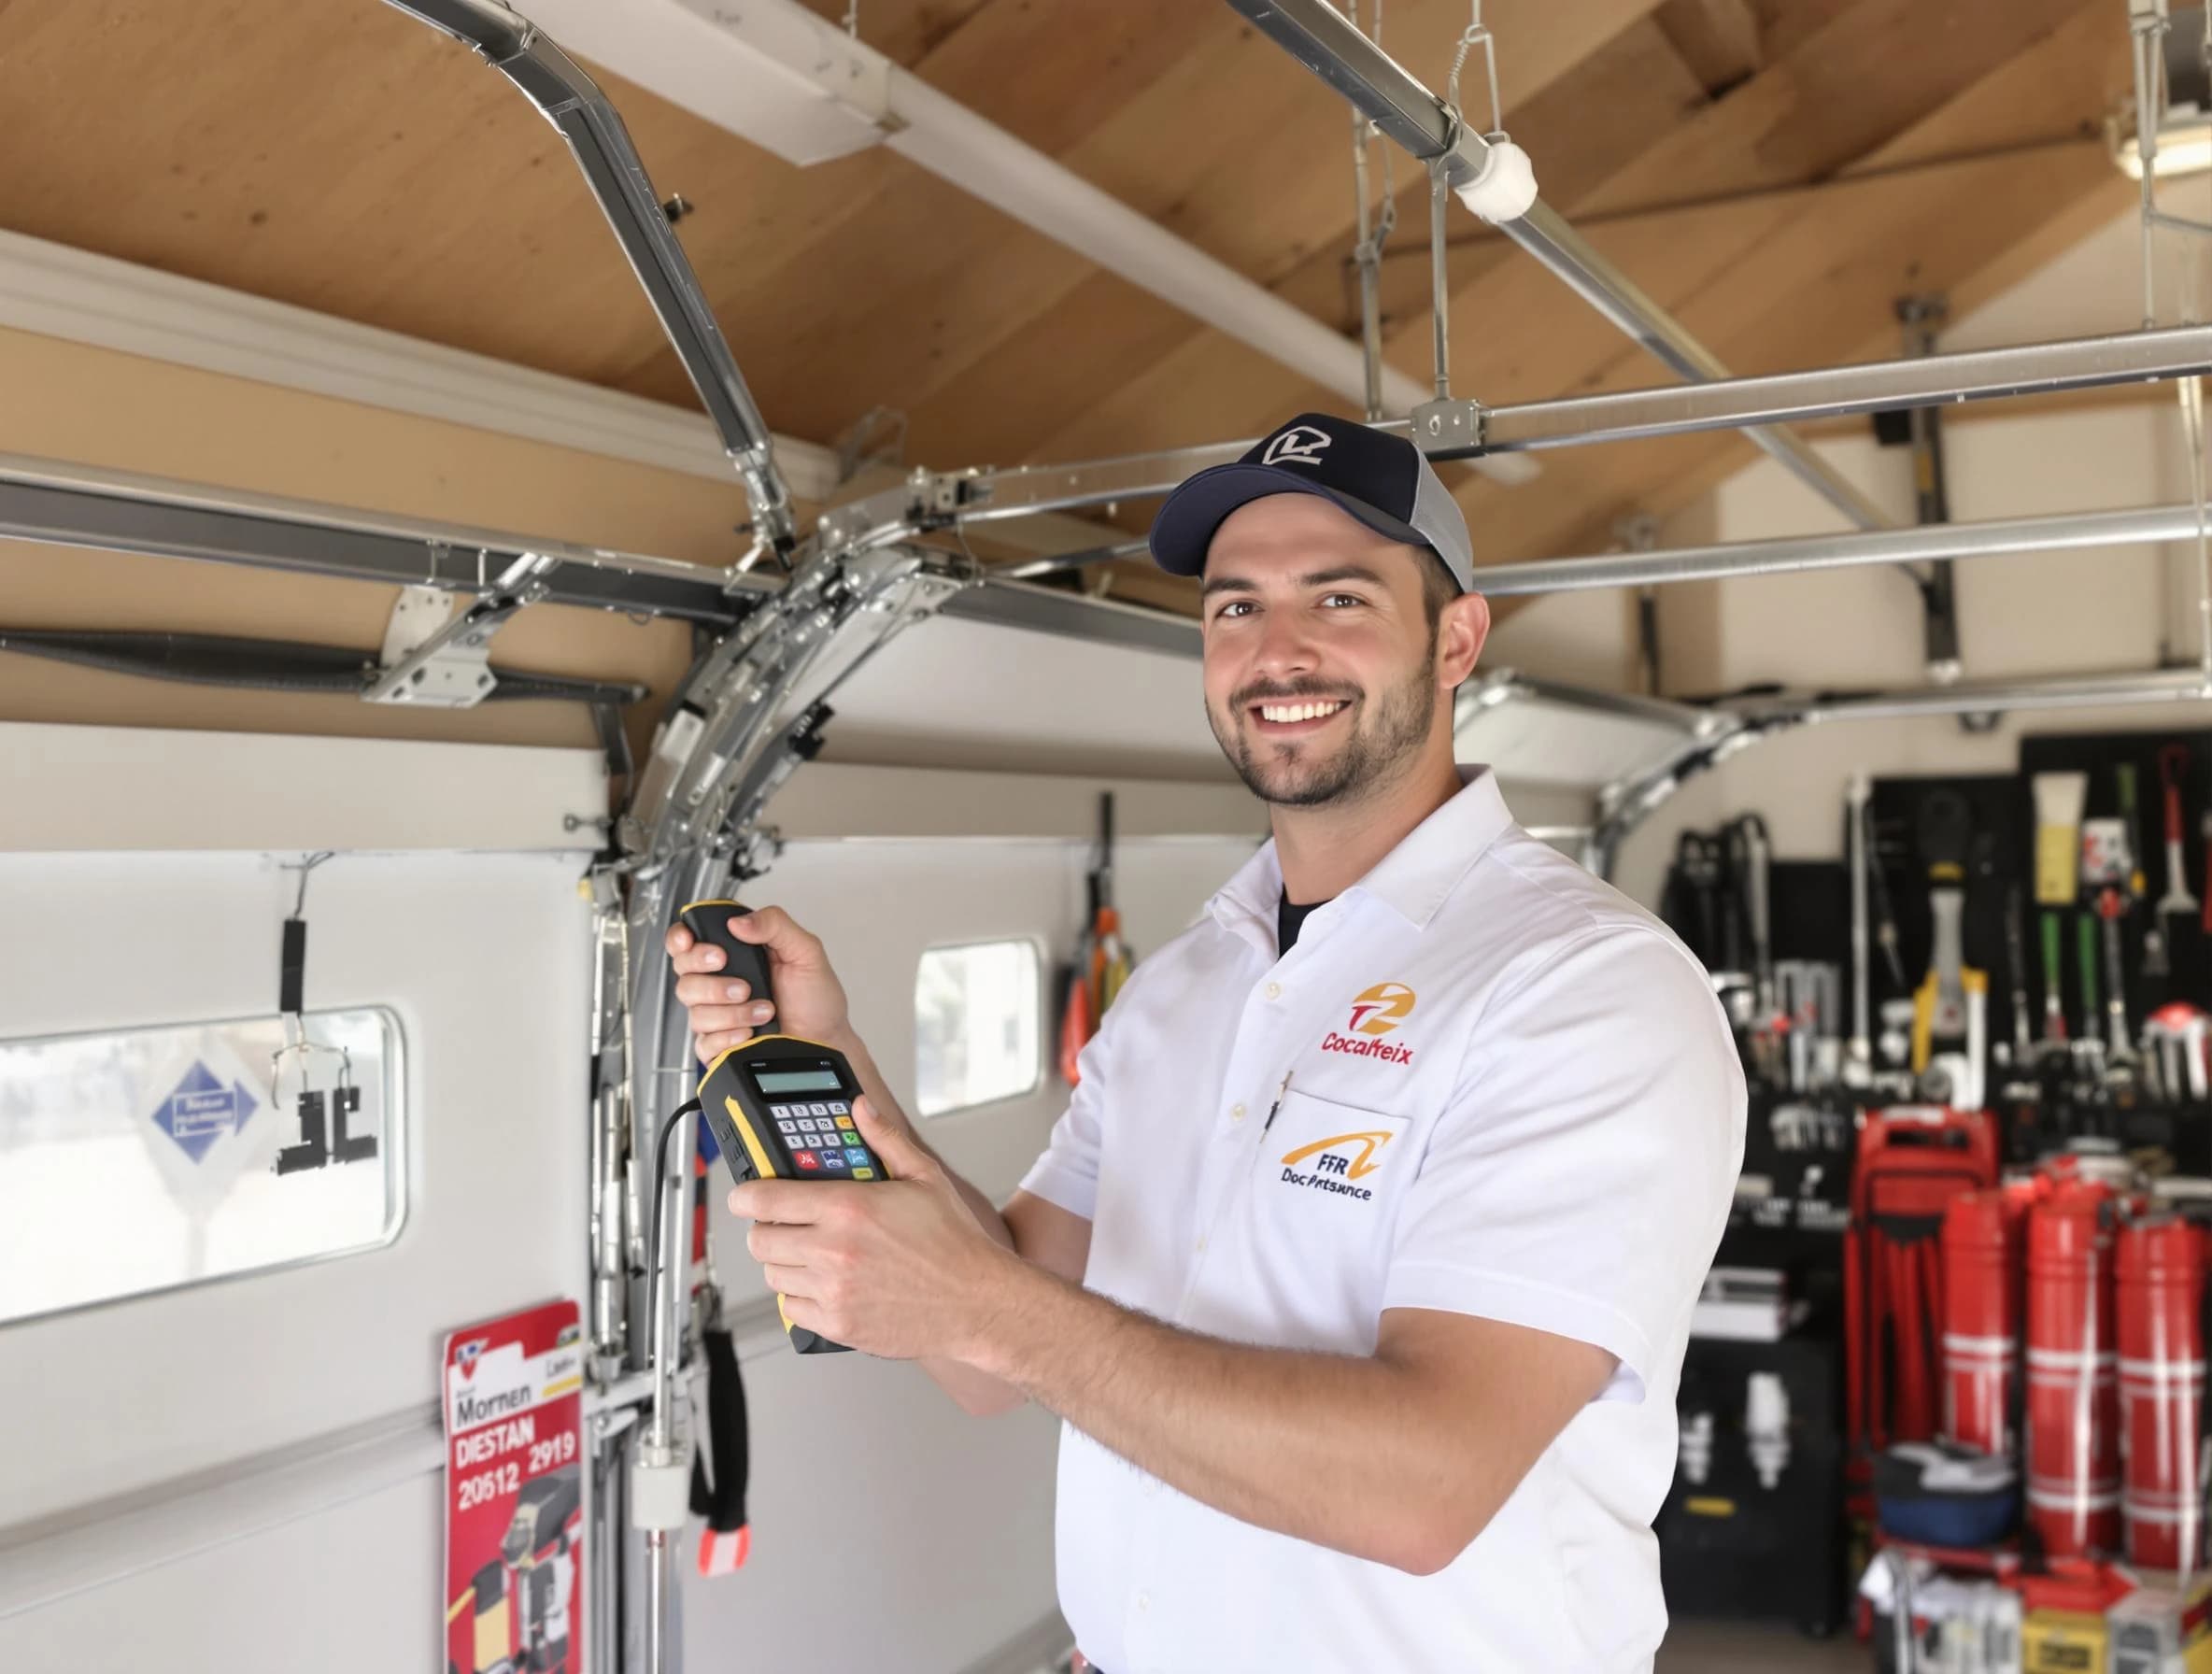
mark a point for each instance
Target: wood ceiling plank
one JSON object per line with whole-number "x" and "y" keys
{"x": 984, "y": 412}
{"x": 2061, "y": 86}
{"x": 904, "y": 30}
{"x": 1873, "y": 71}
{"x": 1718, "y": 39}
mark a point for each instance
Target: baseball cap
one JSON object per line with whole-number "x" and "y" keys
{"x": 1383, "y": 480}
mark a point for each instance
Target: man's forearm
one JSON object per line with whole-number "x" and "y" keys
{"x": 1326, "y": 1447}
{"x": 976, "y": 1391}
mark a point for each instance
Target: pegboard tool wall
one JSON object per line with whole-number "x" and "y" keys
{"x": 2001, "y": 857}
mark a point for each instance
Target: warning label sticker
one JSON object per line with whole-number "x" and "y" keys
{"x": 513, "y": 1397}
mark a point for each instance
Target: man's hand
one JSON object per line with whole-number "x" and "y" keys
{"x": 809, "y": 1001}
{"x": 899, "y": 1268}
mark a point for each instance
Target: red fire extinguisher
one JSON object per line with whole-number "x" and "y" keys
{"x": 2161, "y": 1390}
{"x": 2073, "y": 1418}
{"x": 1981, "y": 1310}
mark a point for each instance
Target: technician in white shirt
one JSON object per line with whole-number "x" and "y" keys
{"x": 1360, "y": 1267}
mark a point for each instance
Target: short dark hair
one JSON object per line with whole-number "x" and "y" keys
{"x": 1439, "y": 588}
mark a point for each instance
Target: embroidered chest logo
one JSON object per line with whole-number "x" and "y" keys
{"x": 1374, "y": 1015}
{"x": 1334, "y": 1171}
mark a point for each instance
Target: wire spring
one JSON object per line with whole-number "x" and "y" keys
{"x": 1477, "y": 35}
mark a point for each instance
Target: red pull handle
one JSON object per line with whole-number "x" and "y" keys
{"x": 2173, "y": 764}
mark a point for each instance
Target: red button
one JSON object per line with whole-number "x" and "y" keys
{"x": 807, "y": 1159}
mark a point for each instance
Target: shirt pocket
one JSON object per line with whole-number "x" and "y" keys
{"x": 1326, "y": 1189}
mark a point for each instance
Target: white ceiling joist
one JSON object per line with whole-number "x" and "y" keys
{"x": 56, "y": 291}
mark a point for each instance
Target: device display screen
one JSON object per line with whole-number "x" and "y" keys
{"x": 797, "y": 1081}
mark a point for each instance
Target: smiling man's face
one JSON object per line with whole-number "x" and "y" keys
{"x": 1323, "y": 683}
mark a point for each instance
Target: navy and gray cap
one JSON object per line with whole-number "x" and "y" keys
{"x": 1383, "y": 480}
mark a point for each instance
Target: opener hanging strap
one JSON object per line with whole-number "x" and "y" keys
{"x": 293, "y": 960}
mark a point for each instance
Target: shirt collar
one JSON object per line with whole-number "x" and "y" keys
{"x": 1414, "y": 879}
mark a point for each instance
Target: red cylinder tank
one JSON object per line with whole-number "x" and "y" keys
{"x": 1980, "y": 1319}
{"x": 2073, "y": 1418}
{"x": 2160, "y": 1321}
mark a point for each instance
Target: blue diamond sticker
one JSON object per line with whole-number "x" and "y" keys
{"x": 202, "y": 1109}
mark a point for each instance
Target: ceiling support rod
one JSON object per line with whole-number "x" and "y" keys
{"x": 1323, "y": 39}
{"x": 1996, "y": 538}
{"x": 568, "y": 98}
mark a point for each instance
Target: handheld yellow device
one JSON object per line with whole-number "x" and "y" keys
{"x": 780, "y": 1107}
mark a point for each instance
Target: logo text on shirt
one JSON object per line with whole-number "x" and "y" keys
{"x": 1332, "y": 1172}
{"x": 1375, "y": 1014}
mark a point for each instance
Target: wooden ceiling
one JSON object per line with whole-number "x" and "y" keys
{"x": 1777, "y": 172}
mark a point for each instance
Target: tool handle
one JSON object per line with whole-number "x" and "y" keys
{"x": 2173, "y": 764}
{"x": 2086, "y": 942}
{"x": 709, "y": 923}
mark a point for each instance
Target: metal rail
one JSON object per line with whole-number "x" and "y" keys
{"x": 1838, "y": 391}
{"x": 1450, "y": 430}
{"x": 115, "y": 511}
{"x": 2057, "y": 691}
{"x": 1792, "y": 554}
{"x": 568, "y": 98}
{"x": 1327, "y": 43}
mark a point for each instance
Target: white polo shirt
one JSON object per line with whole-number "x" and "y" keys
{"x": 1512, "y": 1094}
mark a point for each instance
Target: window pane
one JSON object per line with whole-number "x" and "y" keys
{"x": 975, "y": 1024}
{"x": 145, "y": 1158}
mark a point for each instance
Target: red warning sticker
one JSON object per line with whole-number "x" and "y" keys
{"x": 513, "y": 1403}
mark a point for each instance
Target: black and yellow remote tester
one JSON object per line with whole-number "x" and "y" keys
{"x": 780, "y": 1108}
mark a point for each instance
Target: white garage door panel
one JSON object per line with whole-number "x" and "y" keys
{"x": 921, "y": 1536}
{"x": 485, "y": 959}
{"x": 351, "y": 1591}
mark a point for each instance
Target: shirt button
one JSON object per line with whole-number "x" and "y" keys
{"x": 1202, "y": 1246}
{"x": 1274, "y": 990}
{"x": 1236, "y": 1113}
{"x": 1143, "y": 1601}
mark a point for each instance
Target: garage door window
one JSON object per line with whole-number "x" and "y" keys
{"x": 975, "y": 1024}
{"x": 143, "y": 1159}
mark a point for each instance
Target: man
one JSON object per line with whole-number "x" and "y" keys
{"x": 1361, "y": 1265}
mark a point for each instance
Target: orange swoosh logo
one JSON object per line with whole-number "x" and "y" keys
{"x": 1362, "y": 1164}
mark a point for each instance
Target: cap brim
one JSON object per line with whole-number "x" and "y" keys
{"x": 1188, "y": 519}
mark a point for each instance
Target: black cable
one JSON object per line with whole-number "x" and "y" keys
{"x": 269, "y": 664}
{"x": 689, "y": 1107}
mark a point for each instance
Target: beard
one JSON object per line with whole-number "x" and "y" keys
{"x": 1382, "y": 742}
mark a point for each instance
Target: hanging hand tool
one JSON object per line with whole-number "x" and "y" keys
{"x": 2173, "y": 769}
{"x": 1102, "y": 960}
{"x": 2059, "y": 799}
{"x": 1859, "y": 1056}
{"x": 1885, "y": 917}
{"x": 2086, "y": 1044}
{"x": 2205, "y": 829}
{"x": 1110, "y": 957}
{"x": 1749, "y": 854}
{"x": 2054, "y": 999}
{"x": 1939, "y": 1006}
{"x": 2016, "y": 967}
{"x": 2154, "y": 941}
{"x": 2106, "y": 865}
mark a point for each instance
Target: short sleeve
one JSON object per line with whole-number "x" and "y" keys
{"x": 1580, "y": 1181}
{"x": 1067, "y": 1173}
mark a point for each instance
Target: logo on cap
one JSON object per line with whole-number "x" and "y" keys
{"x": 1300, "y": 445}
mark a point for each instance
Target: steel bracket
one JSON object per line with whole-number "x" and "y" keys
{"x": 437, "y": 658}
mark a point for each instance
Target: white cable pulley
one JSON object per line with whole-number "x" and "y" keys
{"x": 1506, "y": 189}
